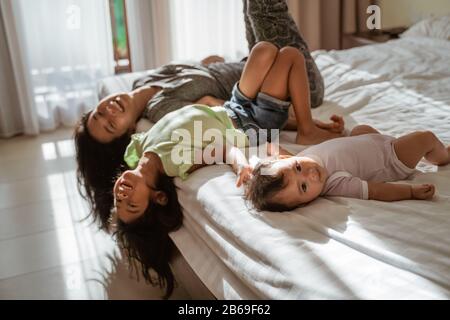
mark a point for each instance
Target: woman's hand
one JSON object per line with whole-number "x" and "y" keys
{"x": 212, "y": 59}
{"x": 422, "y": 191}
{"x": 210, "y": 101}
{"x": 337, "y": 125}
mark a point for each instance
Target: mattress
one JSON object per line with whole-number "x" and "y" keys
{"x": 336, "y": 248}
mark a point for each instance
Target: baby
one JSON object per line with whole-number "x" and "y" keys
{"x": 358, "y": 166}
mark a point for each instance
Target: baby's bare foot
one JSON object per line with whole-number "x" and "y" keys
{"x": 316, "y": 136}
{"x": 448, "y": 151}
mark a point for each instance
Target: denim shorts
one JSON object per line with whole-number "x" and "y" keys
{"x": 264, "y": 112}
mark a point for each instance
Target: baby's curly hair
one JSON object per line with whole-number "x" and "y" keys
{"x": 263, "y": 185}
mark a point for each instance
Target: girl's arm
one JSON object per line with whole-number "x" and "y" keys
{"x": 237, "y": 160}
{"x": 393, "y": 192}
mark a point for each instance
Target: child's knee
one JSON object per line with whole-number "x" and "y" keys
{"x": 265, "y": 52}
{"x": 291, "y": 54}
{"x": 428, "y": 136}
{"x": 362, "y": 129}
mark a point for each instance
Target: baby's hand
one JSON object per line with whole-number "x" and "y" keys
{"x": 244, "y": 174}
{"x": 337, "y": 125}
{"x": 422, "y": 191}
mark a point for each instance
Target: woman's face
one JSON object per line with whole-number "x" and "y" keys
{"x": 113, "y": 117}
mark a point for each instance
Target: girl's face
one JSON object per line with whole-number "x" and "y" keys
{"x": 113, "y": 117}
{"x": 132, "y": 195}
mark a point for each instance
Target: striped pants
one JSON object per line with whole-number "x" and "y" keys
{"x": 269, "y": 20}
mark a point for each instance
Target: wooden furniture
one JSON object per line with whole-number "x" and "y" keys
{"x": 358, "y": 39}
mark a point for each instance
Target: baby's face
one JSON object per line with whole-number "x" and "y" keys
{"x": 132, "y": 195}
{"x": 303, "y": 180}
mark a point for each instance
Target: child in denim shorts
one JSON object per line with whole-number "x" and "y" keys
{"x": 276, "y": 80}
{"x": 251, "y": 116}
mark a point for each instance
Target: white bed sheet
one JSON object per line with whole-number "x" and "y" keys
{"x": 339, "y": 248}
{"x": 335, "y": 248}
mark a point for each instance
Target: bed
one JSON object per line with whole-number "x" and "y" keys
{"x": 335, "y": 248}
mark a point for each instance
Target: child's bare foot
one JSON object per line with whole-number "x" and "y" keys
{"x": 443, "y": 160}
{"x": 317, "y": 135}
{"x": 336, "y": 125}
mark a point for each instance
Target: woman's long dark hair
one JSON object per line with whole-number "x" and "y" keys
{"x": 98, "y": 165}
{"x": 146, "y": 240}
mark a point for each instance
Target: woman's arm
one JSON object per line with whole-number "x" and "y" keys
{"x": 142, "y": 95}
{"x": 212, "y": 59}
{"x": 393, "y": 192}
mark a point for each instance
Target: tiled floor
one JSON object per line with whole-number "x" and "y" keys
{"x": 46, "y": 251}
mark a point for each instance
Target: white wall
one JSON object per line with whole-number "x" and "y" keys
{"x": 396, "y": 13}
{"x": 149, "y": 33}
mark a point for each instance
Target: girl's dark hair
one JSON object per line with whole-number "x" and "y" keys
{"x": 98, "y": 165}
{"x": 146, "y": 240}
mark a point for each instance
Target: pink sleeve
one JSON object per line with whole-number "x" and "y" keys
{"x": 344, "y": 184}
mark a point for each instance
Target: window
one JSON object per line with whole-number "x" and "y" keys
{"x": 120, "y": 36}
{"x": 205, "y": 27}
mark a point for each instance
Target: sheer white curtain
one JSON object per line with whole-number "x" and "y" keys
{"x": 149, "y": 33}
{"x": 203, "y": 27}
{"x": 59, "y": 49}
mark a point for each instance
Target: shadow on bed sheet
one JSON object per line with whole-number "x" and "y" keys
{"x": 311, "y": 223}
{"x": 315, "y": 225}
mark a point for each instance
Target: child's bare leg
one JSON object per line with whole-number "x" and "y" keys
{"x": 362, "y": 129}
{"x": 288, "y": 78}
{"x": 307, "y": 131}
{"x": 258, "y": 64}
{"x": 276, "y": 83}
{"x": 412, "y": 147}
{"x": 270, "y": 20}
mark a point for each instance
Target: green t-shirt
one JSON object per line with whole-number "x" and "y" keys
{"x": 181, "y": 136}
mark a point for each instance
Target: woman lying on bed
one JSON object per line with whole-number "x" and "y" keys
{"x": 103, "y": 133}
{"x": 146, "y": 202}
